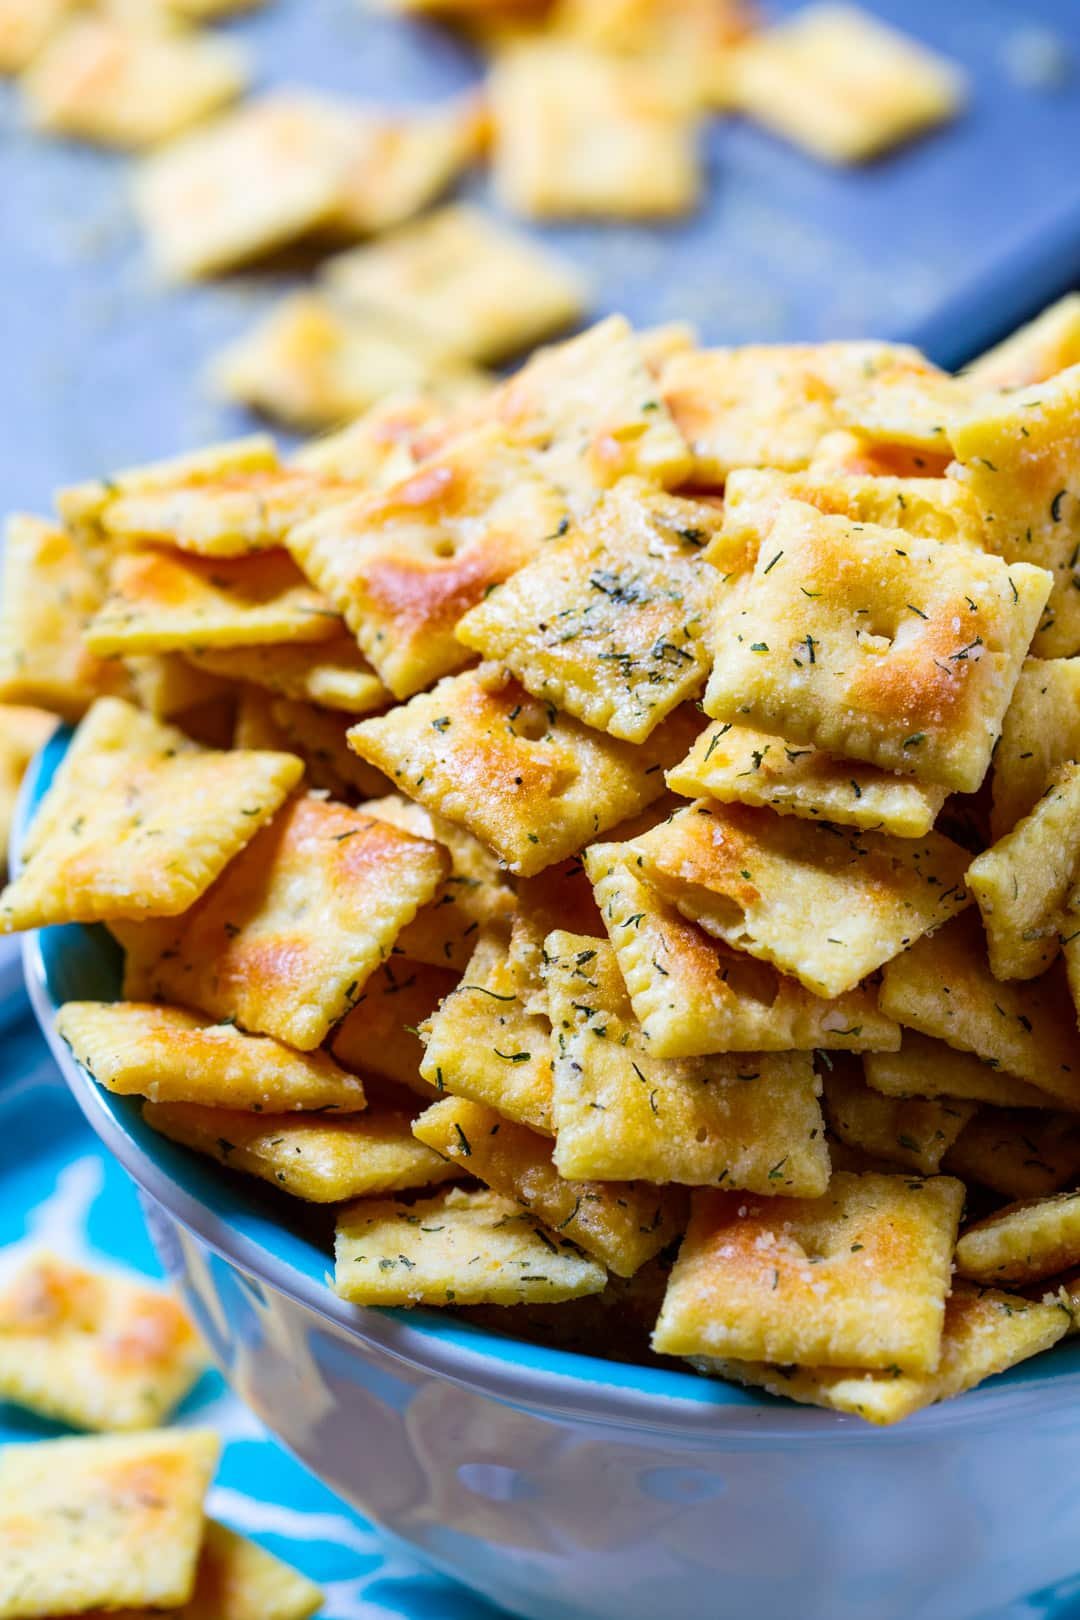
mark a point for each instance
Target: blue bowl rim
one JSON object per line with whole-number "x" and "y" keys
{"x": 224, "y": 1214}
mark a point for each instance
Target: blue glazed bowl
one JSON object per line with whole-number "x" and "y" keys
{"x": 564, "y": 1487}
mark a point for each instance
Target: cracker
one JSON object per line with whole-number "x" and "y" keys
{"x": 138, "y": 822}
{"x": 986, "y": 1332}
{"x": 25, "y": 26}
{"x": 22, "y": 732}
{"x": 1025, "y": 883}
{"x": 380, "y": 1035}
{"x": 819, "y": 902}
{"x": 1040, "y": 733}
{"x": 943, "y": 987}
{"x": 239, "y": 1580}
{"x": 917, "y": 410}
{"x": 458, "y": 1248}
{"x": 609, "y": 623}
{"x": 559, "y": 897}
{"x": 694, "y": 995}
{"x": 843, "y": 85}
{"x": 92, "y": 1350}
{"x": 738, "y": 765}
{"x": 169, "y": 1055}
{"x": 855, "y": 1278}
{"x": 1023, "y": 1242}
{"x": 1019, "y": 454}
{"x": 580, "y": 134}
{"x": 1035, "y": 352}
{"x": 112, "y": 1521}
{"x": 927, "y": 1068}
{"x": 318, "y": 735}
{"x": 332, "y": 674}
{"x": 253, "y": 724}
{"x": 482, "y": 291}
{"x": 912, "y": 1132}
{"x": 380, "y": 447}
{"x": 323, "y": 1161}
{"x": 49, "y": 594}
{"x": 475, "y": 893}
{"x": 747, "y": 1120}
{"x": 405, "y": 564}
{"x": 168, "y": 686}
{"x": 844, "y": 454}
{"x": 532, "y": 784}
{"x": 404, "y": 159}
{"x": 98, "y": 79}
{"x": 900, "y": 655}
{"x": 483, "y": 1044}
{"x": 313, "y": 365}
{"x": 767, "y": 405}
{"x": 287, "y": 939}
{"x": 163, "y": 600}
{"x": 1017, "y": 1152}
{"x": 623, "y": 1224}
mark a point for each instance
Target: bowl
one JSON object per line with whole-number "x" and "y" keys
{"x": 564, "y": 1487}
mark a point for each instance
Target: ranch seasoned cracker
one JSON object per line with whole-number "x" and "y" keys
{"x": 1023, "y": 1242}
{"x": 380, "y": 1036}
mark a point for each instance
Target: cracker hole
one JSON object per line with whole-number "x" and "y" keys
{"x": 444, "y": 548}
{"x": 532, "y": 724}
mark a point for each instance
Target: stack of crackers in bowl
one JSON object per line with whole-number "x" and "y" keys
{"x": 613, "y": 840}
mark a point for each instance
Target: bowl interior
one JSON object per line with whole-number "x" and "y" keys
{"x": 288, "y": 1244}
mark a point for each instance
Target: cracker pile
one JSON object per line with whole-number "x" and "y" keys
{"x": 616, "y": 840}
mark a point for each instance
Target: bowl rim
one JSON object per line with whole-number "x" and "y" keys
{"x": 559, "y": 1382}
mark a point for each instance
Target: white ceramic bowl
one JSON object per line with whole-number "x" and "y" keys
{"x": 563, "y": 1487}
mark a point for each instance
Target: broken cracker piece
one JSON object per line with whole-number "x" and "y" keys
{"x": 1023, "y": 1242}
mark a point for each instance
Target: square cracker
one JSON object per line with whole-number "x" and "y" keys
{"x": 114, "y": 1521}
{"x": 694, "y": 995}
{"x": 483, "y": 1044}
{"x": 609, "y": 623}
{"x": 169, "y": 1055}
{"x": 406, "y": 563}
{"x": 50, "y": 593}
{"x": 1041, "y": 732}
{"x": 1023, "y": 1242}
{"x": 986, "y": 1332}
{"x": 855, "y": 1278}
{"x": 531, "y": 783}
{"x": 924, "y": 1067}
{"x": 559, "y": 897}
{"x": 843, "y": 85}
{"x": 912, "y": 1132}
{"x": 380, "y": 1035}
{"x": 747, "y": 1119}
{"x": 287, "y": 939}
{"x": 822, "y": 903}
{"x": 239, "y": 1580}
{"x": 95, "y": 1350}
{"x": 1033, "y": 353}
{"x": 582, "y": 134}
{"x": 1019, "y": 454}
{"x": 943, "y": 987}
{"x": 482, "y": 291}
{"x": 138, "y": 821}
{"x": 458, "y": 1248}
{"x": 767, "y": 405}
{"x": 1019, "y": 1153}
{"x": 1025, "y": 884}
{"x": 164, "y": 600}
{"x": 915, "y": 409}
{"x": 323, "y": 1161}
{"x": 331, "y": 674}
{"x": 621, "y": 1223}
{"x": 98, "y": 79}
{"x": 738, "y": 765}
{"x": 891, "y": 649}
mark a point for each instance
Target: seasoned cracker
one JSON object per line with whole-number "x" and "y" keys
{"x": 1040, "y": 733}
{"x": 484, "y": 1044}
{"x": 1033, "y": 353}
{"x": 405, "y": 158}
{"x": 324, "y": 1161}
{"x": 168, "y": 686}
{"x": 694, "y": 995}
{"x": 927, "y": 1068}
{"x": 239, "y": 1580}
{"x": 1017, "y": 1152}
{"x": 532, "y": 784}
{"x": 405, "y": 564}
{"x": 855, "y": 1278}
{"x": 482, "y": 291}
{"x": 332, "y": 674}
{"x": 138, "y": 822}
{"x": 1018, "y": 454}
{"x": 819, "y": 902}
{"x": 169, "y": 1055}
{"x": 943, "y": 987}
{"x": 559, "y": 897}
{"x": 22, "y": 732}
{"x": 1023, "y": 1242}
{"x": 319, "y": 736}
{"x": 609, "y": 623}
{"x": 623, "y": 1224}
{"x": 844, "y": 454}
{"x": 915, "y": 409}
{"x": 109, "y": 1522}
{"x": 287, "y": 939}
{"x": 986, "y": 1332}
{"x": 912, "y": 1132}
{"x": 380, "y": 1035}
{"x": 842, "y": 84}
{"x": 458, "y": 1248}
{"x": 747, "y": 1120}
{"x": 900, "y": 655}
{"x": 25, "y": 26}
